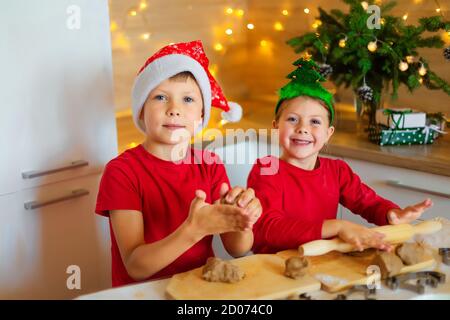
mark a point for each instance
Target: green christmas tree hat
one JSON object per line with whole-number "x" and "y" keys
{"x": 306, "y": 81}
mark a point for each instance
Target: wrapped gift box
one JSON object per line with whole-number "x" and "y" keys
{"x": 401, "y": 118}
{"x": 385, "y": 136}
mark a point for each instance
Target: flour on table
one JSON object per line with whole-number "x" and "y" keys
{"x": 439, "y": 239}
{"x": 330, "y": 280}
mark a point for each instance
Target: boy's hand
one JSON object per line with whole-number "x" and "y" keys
{"x": 408, "y": 214}
{"x": 207, "y": 219}
{"x": 242, "y": 198}
{"x": 362, "y": 237}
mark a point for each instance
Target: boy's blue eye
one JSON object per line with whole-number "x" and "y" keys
{"x": 160, "y": 97}
{"x": 315, "y": 121}
{"x": 291, "y": 119}
{"x": 188, "y": 99}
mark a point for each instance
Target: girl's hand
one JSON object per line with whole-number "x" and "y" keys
{"x": 408, "y": 214}
{"x": 362, "y": 237}
{"x": 242, "y": 198}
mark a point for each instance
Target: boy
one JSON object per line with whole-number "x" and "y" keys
{"x": 162, "y": 197}
{"x": 300, "y": 201}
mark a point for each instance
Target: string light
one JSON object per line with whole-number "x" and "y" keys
{"x": 240, "y": 12}
{"x": 278, "y": 26}
{"x": 403, "y": 66}
{"x": 218, "y": 47}
{"x": 422, "y": 70}
{"x": 263, "y": 43}
{"x": 405, "y": 16}
{"x": 250, "y": 26}
{"x": 438, "y": 10}
{"x": 132, "y": 13}
{"x": 229, "y": 32}
{"x": 365, "y": 5}
{"x": 316, "y": 24}
{"x": 343, "y": 42}
{"x": 284, "y": 12}
{"x": 410, "y": 59}
{"x": 421, "y": 80}
{"x": 372, "y": 46}
{"x": 229, "y": 10}
{"x": 306, "y": 10}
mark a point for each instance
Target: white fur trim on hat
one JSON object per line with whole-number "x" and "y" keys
{"x": 234, "y": 114}
{"x": 162, "y": 69}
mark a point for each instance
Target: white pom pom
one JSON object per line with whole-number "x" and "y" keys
{"x": 234, "y": 114}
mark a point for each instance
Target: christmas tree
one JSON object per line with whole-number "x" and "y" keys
{"x": 369, "y": 59}
{"x": 306, "y": 81}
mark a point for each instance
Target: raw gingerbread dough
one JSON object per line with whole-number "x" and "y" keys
{"x": 390, "y": 264}
{"x": 296, "y": 267}
{"x": 217, "y": 270}
{"x": 412, "y": 253}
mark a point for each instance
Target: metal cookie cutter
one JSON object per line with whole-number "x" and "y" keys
{"x": 422, "y": 279}
{"x": 369, "y": 294}
{"x": 445, "y": 253}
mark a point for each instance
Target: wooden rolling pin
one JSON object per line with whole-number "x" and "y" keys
{"x": 393, "y": 234}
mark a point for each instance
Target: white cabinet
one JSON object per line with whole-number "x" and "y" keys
{"x": 57, "y": 131}
{"x": 56, "y": 94}
{"x": 390, "y": 182}
{"x": 38, "y": 245}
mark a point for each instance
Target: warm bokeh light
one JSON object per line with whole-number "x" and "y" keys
{"x": 145, "y": 36}
{"x": 278, "y": 26}
{"x": 113, "y": 27}
{"x": 250, "y": 26}
{"x": 143, "y": 5}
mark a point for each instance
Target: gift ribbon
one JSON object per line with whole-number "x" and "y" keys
{"x": 432, "y": 127}
{"x": 390, "y": 113}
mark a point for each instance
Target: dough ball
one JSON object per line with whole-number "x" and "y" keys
{"x": 217, "y": 270}
{"x": 412, "y": 253}
{"x": 296, "y": 267}
{"x": 390, "y": 264}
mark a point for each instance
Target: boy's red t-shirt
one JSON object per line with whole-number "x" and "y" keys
{"x": 162, "y": 191}
{"x": 296, "y": 202}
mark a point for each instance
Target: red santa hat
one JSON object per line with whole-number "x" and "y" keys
{"x": 171, "y": 60}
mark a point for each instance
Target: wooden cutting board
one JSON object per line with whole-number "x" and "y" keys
{"x": 263, "y": 279}
{"x": 338, "y": 271}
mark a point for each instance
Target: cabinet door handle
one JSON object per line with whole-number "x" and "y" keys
{"x": 73, "y": 165}
{"x": 30, "y": 205}
{"x": 399, "y": 184}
